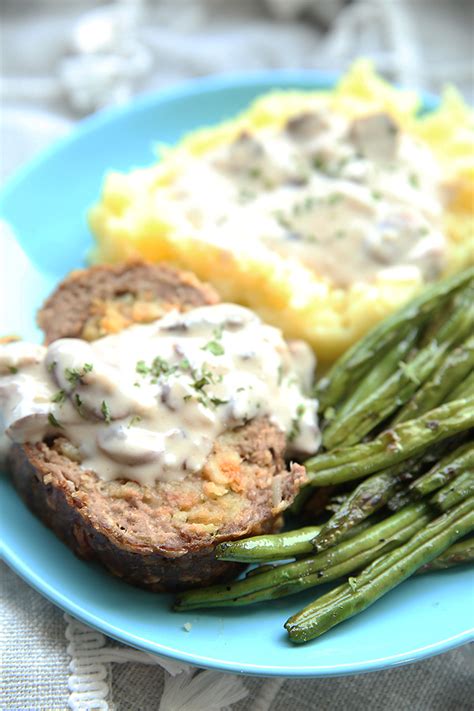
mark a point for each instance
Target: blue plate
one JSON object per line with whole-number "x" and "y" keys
{"x": 45, "y": 204}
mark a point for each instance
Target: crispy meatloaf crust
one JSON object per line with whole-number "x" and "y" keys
{"x": 105, "y": 299}
{"x": 161, "y": 537}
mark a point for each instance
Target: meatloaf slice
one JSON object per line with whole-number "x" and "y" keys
{"x": 105, "y": 299}
{"x": 161, "y": 537}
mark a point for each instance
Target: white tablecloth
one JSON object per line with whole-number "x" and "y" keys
{"x": 60, "y": 62}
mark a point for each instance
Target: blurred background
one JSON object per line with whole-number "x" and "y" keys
{"x": 64, "y": 59}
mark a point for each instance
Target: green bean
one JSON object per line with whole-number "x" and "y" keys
{"x": 392, "y": 446}
{"x": 269, "y": 547}
{"x": 454, "y": 492}
{"x": 378, "y": 375}
{"x": 458, "y": 554}
{"x": 445, "y": 470}
{"x": 464, "y": 389}
{"x": 371, "y": 494}
{"x": 399, "y": 500}
{"x": 364, "y": 354}
{"x": 292, "y": 577}
{"x": 387, "y": 487}
{"x": 265, "y": 568}
{"x": 311, "y": 580}
{"x": 382, "y": 402}
{"x": 314, "y": 502}
{"x": 383, "y": 575}
{"x": 381, "y": 565}
{"x": 278, "y": 546}
{"x": 449, "y": 375}
{"x": 405, "y": 496}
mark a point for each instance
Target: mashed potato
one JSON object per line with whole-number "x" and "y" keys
{"x": 323, "y": 211}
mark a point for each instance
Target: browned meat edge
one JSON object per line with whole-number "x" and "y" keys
{"x": 153, "y": 571}
{"x": 64, "y": 313}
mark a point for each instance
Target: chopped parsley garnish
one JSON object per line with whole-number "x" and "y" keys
{"x": 305, "y": 206}
{"x": 414, "y": 180}
{"x": 296, "y": 423}
{"x": 78, "y": 403}
{"x": 52, "y": 366}
{"x": 295, "y": 430}
{"x": 255, "y": 173}
{"x": 185, "y": 364}
{"x": 105, "y": 410}
{"x": 334, "y": 198}
{"x": 202, "y": 379}
{"x": 53, "y": 421}
{"x": 282, "y": 219}
{"x": 207, "y": 378}
{"x": 59, "y": 397}
{"x": 297, "y": 209}
{"x": 134, "y": 421}
{"x": 309, "y": 202}
{"x": 74, "y": 375}
{"x": 142, "y": 368}
{"x": 161, "y": 367}
{"x": 245, "y": 195}
{"x": 214, "y": 347}
{"x": 376, "y": 194}
{"x": 216, "y": 401}
{"x": 343, "y": 162}
{"x": 13, "y": 370}
{"x": 206, "y": 401}
{"x": 319, "y": 163}
{"x": 199, "y": 384}
{"x": 280, "y": 374}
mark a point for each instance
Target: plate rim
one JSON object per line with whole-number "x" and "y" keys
{"x": 193, "y": 87}
{"x": 35, "y": 580}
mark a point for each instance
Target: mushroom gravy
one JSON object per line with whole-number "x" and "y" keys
{"x": 149, "y": 402}
{"x": 348, "y": 199}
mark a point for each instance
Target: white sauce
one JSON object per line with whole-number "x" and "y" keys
{"x": 148, "y": 403}
{"x": 348, "y": 199}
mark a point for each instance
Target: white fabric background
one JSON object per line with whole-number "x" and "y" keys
{"x": 62, "y": 59}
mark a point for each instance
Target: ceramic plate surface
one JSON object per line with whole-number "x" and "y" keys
{"x": 45, "y": 206}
